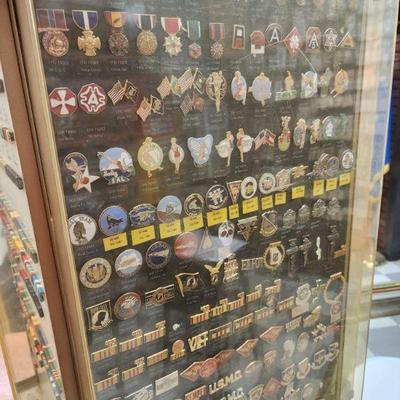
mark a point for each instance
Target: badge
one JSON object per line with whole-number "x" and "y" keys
{"x": 329, "y": 128}
{"x": 194, "y": 33}
{"x": 206, "y": 241}
{"x": 127, "y": 306}
{"x": 299, "y": 133}
{"x": 146, "y": 40}
{"x": 95, "y": 273}
{"x": 271, "y": 388}
{"x": 315, "y": 131}
{"x": 274, "y": 256}
{"x": 273, "y": 35}
{"x": 87, "y": 21}
{"x": 289, "y": 219}
{"x": 269, "y": 223}
{"x": 283, "y": 179}
{"x": 158, "y": 255}
{"x": 288, "y": 375}
{"x": 226, "y": 232}
{"x": 257, "y": 43}
{"x": 150, "y": 156}
{"x": 289, "y": 92}
{"x": 333, "y": 352}
{"x": 244, "y": 143}
{"x": 217, "y": 34}
{"x": 216, "y": 88}
{"x": 256, "y": 392}
{"x": 334, "y": 288}
{"x": 271, "y": 334}
{"x": 267, "y": 183}
{"x": 178, "y": 350}
{"x": 247, "y": 226}
{"x": 248, "y": 187}
{"x": 200, "y": 149}
{"x": 92, "y": 98}
{"x": 113, "y": 220}
{"x": 225, "y": 147}
{"x": 303, "y": 214}
{"x": 246, "y": 349}
{"x": 253, "y": 368}
{"x": 82, "y": 229}
{"x": 332, "y": 167}
{"x": 330, "y": 39}
{"x": 157, "y": 105}
{"x": 99, "y": 316}
{"x": 319, "y": 359}
{"x": 117, "y": 42}
{"x": 313, "y": 39}
{"x": 347, "y": 159}
{"x": 288, "y": 350}
{"x": 142, "y": 215}
{"x": 176, "y": 155}
{"x": 293, "y": 41}
{"x": 169, "y": 209}
{"x": 309, "y": 84}
{"x": 239, "y": 37}
{"x": 303, "y": 369}
{"x": 239, "y": 88}
{"x": 186, "y": 245}
{"x": 144, "y": 109}
{"x": 192, "y": 372}
{"x": 116, "y": 165}
{"x": 189, "y": 283}
{"x": 261, "y": 88}
{"x": 160, "y": 296}
{"x": 347, "y": 41}
{"x": 214, "y": 272}
{"x": 302, "y": 342}
{"x": 286, "y": 136}
{"x": 234, "y": 190}
{"x": 63, "y": 102}
{"x": 53, "y": 23}
{"x": 194, "y": 204}
{"x": 172, "y": 43}
{"x": 128, "y": 263}
{"x": 341, "y": 83}
{"x": 216, "y": 197}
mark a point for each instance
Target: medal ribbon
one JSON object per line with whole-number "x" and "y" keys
{"x": 51, "y": 19}
{"x": 171, "y": 25}
{"x": 216, "y": 31}
{"x": 145, "y": 22}
{"x": 85, "y": 19}
{"x": 115, "y": 19}
{"x": 194, "y": 30}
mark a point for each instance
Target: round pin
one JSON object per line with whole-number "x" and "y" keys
{"x": 193, "y": 204}
{"x": 267, "y": 183}
{"x": 82, "y": 229}
{"x": 127, "y": 306}
{"x": 329, "y": 127}
{"x": 95, "y": 273}
{"x": 169, "y": 209}
{"x": 208, "y": 368}
{"x": 116, "y": 165}
{"x": 274, "y": 256}
{"x": 347, "y": 159}
{"x": 128, "y": 263}
{"x": 150, "y": 156}
{"x": 158, "y": 255}
{"x": 332, "y": 167}
{"x": 142, "y": 215}
{"x": 216, "y": 197}
{"x": 248, "y": 187}
{"x": 186, "y": 245}
{"x": 113, "y": 220}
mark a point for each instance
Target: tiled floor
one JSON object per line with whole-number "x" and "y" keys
{"x": 387, "y": 272}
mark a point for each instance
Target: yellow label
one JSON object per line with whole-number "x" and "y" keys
{"x": 318, "y": 187}
{"x": 331, "y": 184}
{"x": 170, "y": 229}
{"x": 280, "y": 198}
{"x": 298, "y": 192}
{"x": 217, "y": 217}
{"x": 249, "y": 206}
{"x": 345, "y": 179}
{"x": 115, "y": 242}
{"x": 192, "y": 223}
{"x": 267, "y": 202}
{"x": 234, "y": 211}
{"x": 143, "y": 235}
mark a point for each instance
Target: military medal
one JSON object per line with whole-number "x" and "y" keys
{"x": 176, "y": 155}
{"x": 330, "y": 39}
{"x": 172, "y": 43}
{"x": 216, "y": 88}
{"x": 217, "y": 34}
{"x": 52, "y": 22}
{"x": 117, "y": 42}
{"x": 239, "y": 37}
{"x": 194, "y": 204}
{"x": 82, "y": 229}
{"x": 127, "y": 306}
{"x": 216, "y": 197}
{"x": 225, "y": 147}
{"x": 116, "y": 165}
{"x": 99, "y": 316}
{"x": 200, "y": 149}
{"x": 309, "y": 84}
{"x": 261, "y": 88}
{"x": 341, "y": 83}
{"x": 113, "y": 220}
{"x": 286, "y": 136}
{"x": 239, "y": 88}
{"x": 194, "y": 33}
{"x": 150, "y": 156}
{"x": 146, "y": 40}
{"x": 95, "y": 273}
{"x": 293, "y": 41}
{"x": 76, "y": 165}
{"x": 128, "y": 263}
{"x": 169, "y": 209}
{"x": 244, "y": 143}
{"x": 274, "y": 256}
{"x": 87, "y": 21}
{"x": 299, "y": 133}
{"x": 158, "y": 255}
{"x": 257, "y": 43}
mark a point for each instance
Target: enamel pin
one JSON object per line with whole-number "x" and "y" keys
{"x": 347, "y": 159}
{"x": 248, "y": 187}
{"x": 239, "y": 37}
{"x": 309, "y": 84}
{"x": 247, "y": 226}
{"x": 239, "y": 88}
{"x": 194, "y": 204}
{"x": 118, "y": 41}
{"x": 225, "y": 147}
{"x": 330, "y": 39}
{"x": 176, "y": 155}
{"x": 128, "y": 263}
{"x": 293, "y": 41}
{"x": 315, "y": 131}
{"x": 217, "y": 34}
{"x": 76, "y": 165}
{"x": 216, "y": 88}
{"x": 234, "y": 190}
{"x": 285, "y": 137}
{"x": 82, "y": 229}
{"x": 313, "y": 39}
{"x": 172, "y": 43}
{"x": 116, "y": 165}
{"x": 261, "y": 88}
{"x": 92, "y": 98}
{"x": 95, "y": 273}
{"x": 289, "y": 93}
{"x": 87, "y": 21}
{"x": 169, "y": 209}
{"x": 200, "y": 149}
{"x": 146, "y": 40}
{"x": 63, "y": 102}
{"x": 244, "y": 143}
{"x": 158, "y": 255}
{"x": 226, "y": 232}
{"x": 257, "y": 43}
{"x": 99, "y": 316}
{"x": 299, "y": 133}
{"x": 269, "y": 223}
{"x": 267, "y": 183}
{"x": 341, "y": 83}
{"x": 150, "y": 156}
{"x": 216, "y": 197}
{"x": 113, "y": 220}
{"x": 127, "y": 306}
{"x": 142, "y": 215}
{"x": 274, "y": 256}
{"x": 186, "y": 245}
{"x": 273, "y": 34}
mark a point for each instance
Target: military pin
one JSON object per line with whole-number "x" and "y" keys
{"x": 92, "y": 98}
{"x": 346, "y": 159}
{"x": 193, "y": 204}
{"x": 87, "y": 21}
{"x": 200, "y": 149}
{"x": 113, "y": 220}
{"x": 299, "y": 133}
{"x": 244, "y": 143}
{"x": 257, "y": 43}
{"x": 248, "y": 187}
{"x": 289, "y": 92}
{"x": 158, "y": 255}
{"x": 267, "y": 183}
{"x": 146, "y": 40}
{"x": 234, "y": 190}
{"x": 289, "y": 219}
{"x": 216, "y": 197}
{"x": 313, "y": 39}
{"x": 285, "y": 137}
{"x": 128, "y": 263}
{"x": 53, "y": 23}
{"x": 274, "y": 256}
{"x": 308, "y": 392}
{"x": 303, "y": 369}
{"x": 283, "y": 179}
{"x": 315, "y": 131}
{"x": 239, "y": 88}
{"x": 273, "y": 35}
{"x": 226, "y": 232}
{"x": 169, "y": 209}
{"x": 186, "y": 245}
{"x": 325, "y": 81}
{"x": 95, "y": 273}
{"x": 247, "y": 226}
{"x": 194, "y": 33}
{"x": 293, "y": 41}
{"x": 150, "y": 156}
{"x": 172, "y": 43}
{"x": 261, "y": 88}
{"x": 63, "y": 102}
{"x": 303, "y": 215}
{"x": 127, "y": 306}
{"x": 216, "y": 88}
{"x": 225, "y": 147}
{"x": 189, "y": 283}
{"x": 116, "y": 165}
{"x": 217, "y": 34}
{"x": 76, "y": 165}
{"x": 256, "y": 392}
{"x": 82, "y": 229}
{"x": 332, "y": 167}
{"x": 142, "y": 215}
{"x": 239, "y": 37}
{"x": 214, "y": 271}
{"x": 117, "y": 42}
{"x": 99, "y": 316}
{"x": 176, "y": 155}
{"x": 347, "y": 41}
{"x": 269, "y": 223}
{"x": 341, "y": 83}
{"x": 206, "y": 241}
{"x": 309, "y": 84}
{"x": 329, "y": 127}
{"x": 288, "y": 350}
{"x": 330, "y": 39}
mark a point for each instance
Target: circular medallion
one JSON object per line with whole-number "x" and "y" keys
{"x": 150, "y": 156}
{"x": 169, "y": 209}
{"x": 274, "y": 256}
{"x": 329, "y": 128}
{"x": 267, "y": 183}
{"x": 118, "y": 44}
{"x": 158, "y": 255}
{"x": 116, "y": 165}
{"x": 75, "y": 164}
{"x": 302, "y": 342}
{"x": 208, "y": 368}
{"x": 95, "y": 273}
{"x": 332, "y": 167}
{"x": 113, "y": 220}
{"x": 248, "y": 187}
{"x": 347, "y": 159}
{"x": 55, "y": 43}
{"x": 186, "y": 245}
{"x": 147, "y": 43}
{"x": 127, "y": 306}
{"x": 216, "y": 197}
{"x": 334, "y": 288}
{"x": 82, "y": 229}
{"x": 142, "y": 215}
{"x": 128, "y": 263}
{"x": 217, "y": 50}
{"x": 194, "y": 204}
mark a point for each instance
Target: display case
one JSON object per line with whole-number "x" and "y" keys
{"x": 208, "y": 167}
